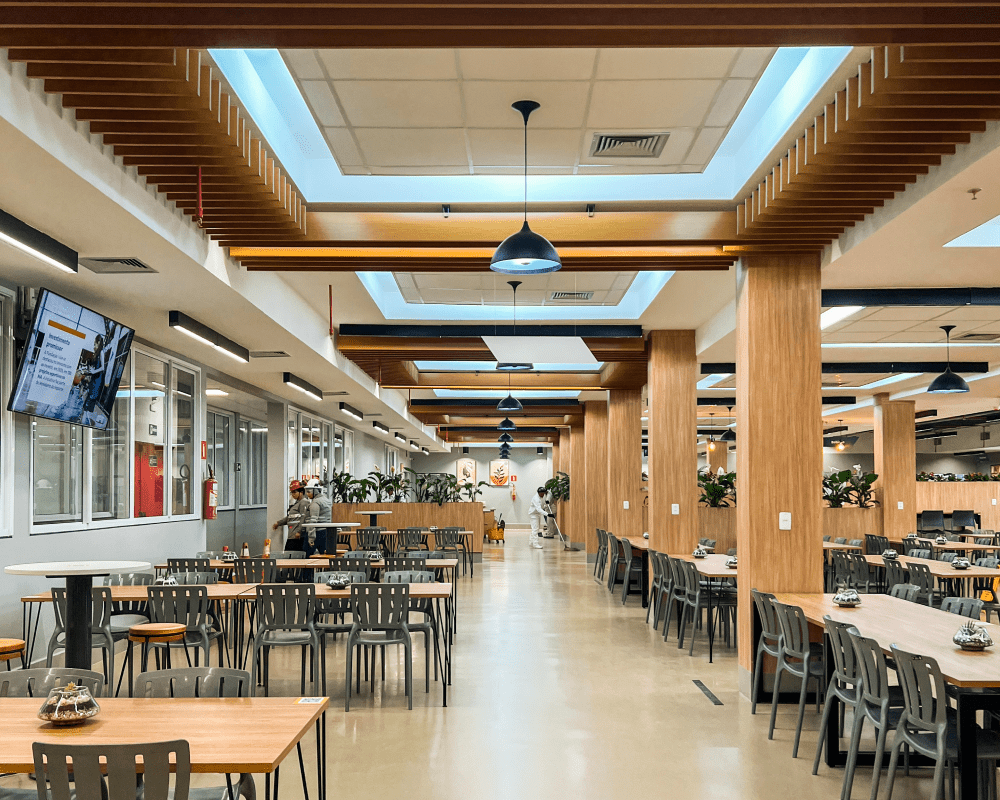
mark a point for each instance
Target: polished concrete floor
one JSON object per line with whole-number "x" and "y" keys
{"x": 560, "y": 691}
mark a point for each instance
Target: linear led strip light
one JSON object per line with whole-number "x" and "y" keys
{"x": 414, "y": 445}
{"x": 180, "y": 321}
{"x": 303, "y": 386}
{"x": 380, "y": 427}
{"x": 399, "y": 437}
{"x": 37, "y": 244}
{"x": 351, "y": 411}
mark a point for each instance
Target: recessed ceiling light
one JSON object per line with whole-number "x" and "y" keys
{"x": 216, "y": 393}
{"x": 834, "y": 315}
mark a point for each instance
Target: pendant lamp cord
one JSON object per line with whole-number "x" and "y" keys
{"x": 525, "y": 171}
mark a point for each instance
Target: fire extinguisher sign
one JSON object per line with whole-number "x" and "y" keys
{"x": 204, "y": 450}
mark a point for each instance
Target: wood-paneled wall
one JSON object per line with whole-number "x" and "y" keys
{"x": 852, "y": 523}
{"x": 977, "y": 496}
{"x": 596, "y": 445}
{"x": 468, "y": 516}
{"x": 564, "y": 510}
{"x": 779, "y": 425}
{"x": 895, "y": 464}
{"x": 673, "y": 453}
{"x": 578, "y": 490}
{"x": 625, "y": 462}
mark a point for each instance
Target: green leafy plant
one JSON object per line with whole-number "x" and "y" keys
{"x": 472, "y": 491}
{"x": 558, "y": 487}
{"x": 977, "y": 477}
{"x": 862, "y": 494}
{"x": 341, "y": 487}
{"x": 718, "y": 489}
{"x": 837, "y": 488}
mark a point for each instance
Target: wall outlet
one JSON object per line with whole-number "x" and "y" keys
{"x": 784, "y": 520}
{"x": 625, "y": 504}
{"x": 899, "y": 505}
{"x": 675, "y": 509}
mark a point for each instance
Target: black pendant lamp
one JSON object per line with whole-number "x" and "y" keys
{"x": 507, "y": 424}
{"x": 729, "y": 435}
{"x": 525, "y": 252}
{"x": 505, "y": 438}
{"x": 948, "y": 382}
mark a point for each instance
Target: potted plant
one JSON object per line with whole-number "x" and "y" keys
{"x": 862, "y": 494}
{"x": 558, "y": 487}
{"x": 837, "y": 489}
{"x": 472, "y": 491}
{"x": 718, "y": 490}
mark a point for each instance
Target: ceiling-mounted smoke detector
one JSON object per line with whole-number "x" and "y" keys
{"x": 625, "y": 145}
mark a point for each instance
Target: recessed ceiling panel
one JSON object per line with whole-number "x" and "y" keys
{"x": 528, "y": 349}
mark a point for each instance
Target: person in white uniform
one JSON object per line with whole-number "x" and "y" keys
{"x": 536, "y": 513}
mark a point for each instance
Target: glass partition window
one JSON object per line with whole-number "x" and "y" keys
{"x": 183, "y": 393}
{"x": 150, "y": 434}
{"x": 338, "y": 450}
{"x": 217, "y": 432}
{"x": 109, "y": 474}
{"x": 57, "y": 450}
{"x": 257, "y": 474}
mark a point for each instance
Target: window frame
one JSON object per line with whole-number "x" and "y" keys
{"x": 8, "y": 300}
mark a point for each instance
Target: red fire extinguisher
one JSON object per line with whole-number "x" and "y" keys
{"x": 211, "y": 496}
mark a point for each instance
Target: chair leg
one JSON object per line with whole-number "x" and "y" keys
{"x": 407, "y": 650}
{"x": 879, "y": 751}
{"x": 802, "y": 710}
{"x": 347, "y": 695}
{"x": 852, "y": 755}
{"x": 757, "y": 669}
{"x": 822, "y": 727}
{"x": 774, "y": 696}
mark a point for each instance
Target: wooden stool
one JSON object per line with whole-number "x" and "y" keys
{"x": 148, "y": 633}
{"x": 11, "y": 649}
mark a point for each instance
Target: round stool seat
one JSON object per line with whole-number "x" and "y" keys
{"x": 11, "y": 648}
{"x": 156, "y": 632}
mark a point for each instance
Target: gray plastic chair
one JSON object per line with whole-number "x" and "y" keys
{"x": 255, "y": 570}
{"x": 429, "y": 625}
{"x": 187, "y": 605}
{"x": 602, "y": 554}
{"x": 363, "y": 554}
{"x": 675, "y": 596}
{"x": 920, "y": 575}
{"x": 861, "y": 577}
{"x": 195, "y": 578}
{"x": 845, "y": 682}
{"x": 971, "y": 607}
{"x": 894, "y": 572}
{"x": 960, "y": 520}
{"x": 358, "y": 564}
{"x": 380, "y": 614}
{"x": 798, "y": 657}
{"x": 189, "y": 565}
{"x": 770, "y": 638}
{"x": 286, "y": 618}
{"x": 614, "y": 559}
{"x": 920, "y": 552}
{"x": 39, "y": 682}
{"x": 880, "y": 704}
{"x": 660, "y": 594}
{"x": 369, "y": 538}
{"x": 840, "y": 540}
{"x": 410, "y": 539}
{"x": 633, "y": 571}
{"x": 102, "y": 636}
{"x": 932, "y": 521}
{"x": 329, "y": 610}
{"x": 600, "y": 548}
{"x": 926, "y": 726}
{"x": 906, "y": 591}
{"x": 656, "y": 582}
{"x": 108, "y": 771}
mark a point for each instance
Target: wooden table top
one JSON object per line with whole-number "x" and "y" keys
{"x": 638, "y": 543}
{"x": 912, "y": 627}
{"x": 216, "y": 591}
{"x": 269, "y": 728}
{"x": 959, "y": 545}
{"x": 712, "y": 566}
{"x": 940, "y": 569}
{"x": 835, "y": 546}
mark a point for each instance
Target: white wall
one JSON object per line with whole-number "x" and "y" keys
{"x": 531, "y": 470}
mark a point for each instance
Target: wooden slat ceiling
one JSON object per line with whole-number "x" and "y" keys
{"x": 472, "y": 23}
{"x": 905, "y": 110}
{"x": 165, "y": 113}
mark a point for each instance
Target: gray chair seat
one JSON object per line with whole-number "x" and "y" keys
{"x": 286, "y": 637}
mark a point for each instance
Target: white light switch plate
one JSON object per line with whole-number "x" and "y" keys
{"x": 675, "y": 508}
{"x": 899, "y": 505}
{"x": 784, "y": 520}
{"x": 994, "y": 501}
{"x": 625, "y": 504}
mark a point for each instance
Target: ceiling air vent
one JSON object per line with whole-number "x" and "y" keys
{"x": 268, "y": 354}
{"x": 571, "y": 296}
{"x": 621, "y": 145}
{"x": 117, "y": 266}
{"x": 978, "y": 337}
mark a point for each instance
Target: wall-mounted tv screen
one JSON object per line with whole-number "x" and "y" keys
{"x": 72, "y": 363}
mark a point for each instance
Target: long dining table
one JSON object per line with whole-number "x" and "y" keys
{"x": 925, "y": 631}
{"x": 941, "y": 570}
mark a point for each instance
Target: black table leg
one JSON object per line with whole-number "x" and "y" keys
{"x": 711, "y": 626}
{"x": 968, "y": 759}
{"x": 79, "y": 605}
{"x": 645, "y": 578}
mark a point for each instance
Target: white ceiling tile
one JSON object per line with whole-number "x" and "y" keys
{"x": 389, "y": 64}
{"x": 846, "y": 336}
{"x": 401, "y": 104}
{"x": 505, "y": 147}
{"x": 642, "y": 63}
{"x": 622, "y": 105}
{"x": 488, "y": 103}
{"x": 914, "y": 336}
{"x": 527, "y": 64}
{"x": 914, "y": 313}
{"x": 961, "y": 326}
{"x": 422, "y": 170}
{"x": 501, "y": 171}
{"x": 404, "y": 147}
{"x": 729, "y": 102}
{"x": 705, "y": 145}
{"x": 751, "y": 61}
{"x": 869, "y": 325}
{"x": 323, "y": 104}
{"x": 303, "y": 64}
{"x": 983, "y": 313}
{"x": 344, "y": 149}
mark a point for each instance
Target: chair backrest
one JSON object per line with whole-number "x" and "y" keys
{"x": 872, "y": 669}
{"x": 709, "y": 543}
{"x": 932, "y": 520}
{"x": 842, "y": 568}
{"x": 399, "y": 563}
{"x": 189, "y": 565}
{"x": 840, "y": 540}
{"x": 925, "y": 703}
{"x": 794, "y": 630}
{"x": 844, "y": 661}
{"x": 971, "y": 607}
{"x": 602, "y": 540}
{"x": 447, "y": 538}
{"x": 855, "y": 543}
{"x": 255, "y": 570}
{"x": 984, "y": 540}
{"x": 627, "y": 552}
{"x": 360, "y": 564}
{"x": 920, "y": 553}
{"x": 827, "y": 538}
{"x": 881, "y": 544}
{"x": 102, "y": 608}
{"x": 859, "y": 568}
{"x": 352, "y": 577}
{"x": 614, "y": 549}
{"x": 206, "y": 554}
{"x": 905, "y": 591}
{"x": 987, "y": 561}
{"x": 370, "y": 537}
{"x": 39, "y": 682}
{"x": 187, "y": 605}
{"x": 380, "y": 606}
{"x": 894, "y": 572}
{"x": 289, "y": 554}
{"x": 109, "y": 770}
{"x": 194, "y": 682}
{"x": 409, "y": 537}
{"x": 286, "y": 606}
{"x": 870, "y": 542}
{"x": 963, "y": 519}
{"x": 920, "y": 574}
{"x": 947, "y": 556}
{"x": 692, "y": 580}
{"x": 129, "y": 579}
{"x": 731, "y": 551}
{"x": 764, "y": 602}
{"x": 195, "y": 578}
{"x": 655, "y": 567}
{"x": 408, "y": 576}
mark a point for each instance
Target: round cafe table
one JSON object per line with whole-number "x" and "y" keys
{"x": 79, "y": 577}
{"x": 373, "y": 516}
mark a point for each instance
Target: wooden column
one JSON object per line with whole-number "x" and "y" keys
{"x": 596, "y": 446}
{"x": 625, "y": 462}
{"x": 578, "y": 486}
{"x": 564, "y": 509}
{"x": 896, "y": 465}
{"x": 779, "y": 445}
{"x": 673, "y": 447}
{"x": 719, "y": 458}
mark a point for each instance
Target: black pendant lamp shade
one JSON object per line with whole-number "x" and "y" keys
{"x": 729, "y": 435}
{"x": 507, "y": 424}
{"x": 505, "y": 438}
{"x": 525, "y": 252}
{"x": 510, "y": 403}
{"x": 948, "y": 382}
